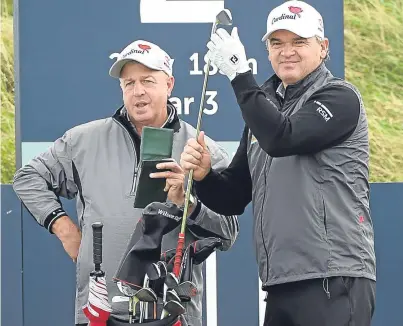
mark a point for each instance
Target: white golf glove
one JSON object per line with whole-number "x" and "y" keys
{"x": 227, "y": 53}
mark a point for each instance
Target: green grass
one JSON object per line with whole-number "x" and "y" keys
{"x": 373, "y": 56}
{"x": 374, "y": 63}
{"x": 7, "y": 94}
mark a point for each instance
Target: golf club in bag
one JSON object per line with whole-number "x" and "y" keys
{"x": 168, "y": 257}
{"x": 224, "y": 17}
{"x": 97, "y": 309}
{"x": 195, "y": 254}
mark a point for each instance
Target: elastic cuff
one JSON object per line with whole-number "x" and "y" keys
{"x": 52, "y": 217}
{"x": 243, "y": 81}
{"x": 196, "y": 211}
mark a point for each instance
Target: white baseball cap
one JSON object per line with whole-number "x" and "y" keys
{"x": 297, "y": 17}
{"x": 144, "y": 52}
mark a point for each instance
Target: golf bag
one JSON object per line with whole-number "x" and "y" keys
{"x": 144, "y": 275}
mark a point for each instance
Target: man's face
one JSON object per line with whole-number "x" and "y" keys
{"x": 293, "y": 57}
{"x": 145, "y": 94}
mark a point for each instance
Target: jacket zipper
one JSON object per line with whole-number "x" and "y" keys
{"x": 261, "y": 221}
{"x": 136, "y": 165}
{"x": 136, "y": 168}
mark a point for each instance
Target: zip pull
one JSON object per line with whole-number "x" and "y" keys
{"x": 136, "y": 169}
{"x": 326, "y": 287}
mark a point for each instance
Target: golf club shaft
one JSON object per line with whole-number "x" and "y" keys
{"x": 144, "y": 305}
{"x": 131, "y": 310}
{"x": 190, "y": 179}
{"x": 181, "y": 237}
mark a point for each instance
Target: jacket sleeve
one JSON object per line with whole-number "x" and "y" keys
{"x": 229, "y": 191}
{"x": 45, "y": 179}
{"x": 204, "y": 222}
{"x": 326, "y": 119}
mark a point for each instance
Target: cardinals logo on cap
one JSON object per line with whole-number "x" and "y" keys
{"x": 145, "y": 47}
{"x": 295, "y": 10}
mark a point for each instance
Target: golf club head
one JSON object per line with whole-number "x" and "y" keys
{"x": 118, "y": 298}
{"x": 224, "y": 17}
{"x": 146, "y": 295}
{"x": 172, "y": 296}
{"x": 171, "y": 281}
{"x": 153, "y": 271}
{"x": 186, "y": 291}
{"x": 174, "y": 308}
{"x": 158, "y": 284}
{"x": 125, "y": 289}
{"x": 163, "y": 268}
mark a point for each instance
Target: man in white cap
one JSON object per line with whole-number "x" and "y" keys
{"x": 303, "y": 163}
{"x": 96, "y": 163}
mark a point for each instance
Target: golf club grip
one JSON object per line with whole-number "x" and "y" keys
{"x": 179, "y": 254}
{"x": 97, "y": 244}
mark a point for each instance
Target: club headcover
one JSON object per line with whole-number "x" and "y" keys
{"x": 145, "y": 244}
{"x": 98, "y": 308}
{"x": 202, "y": 249}
{"x": 168, "y": 257}
{"x": 186, "y": 265}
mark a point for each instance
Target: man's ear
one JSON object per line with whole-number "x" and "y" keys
{"x": 267, "y": 49}
{"x": 324, "y": 48}
{"x": 170, "y": 84}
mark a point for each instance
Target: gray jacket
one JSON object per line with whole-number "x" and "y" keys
{"x": 305, "y": 170}
{"x": 308, "y": 208}
{"x": 96, "y": 163}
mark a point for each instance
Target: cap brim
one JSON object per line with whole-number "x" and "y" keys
{"x": 266, "y": 36}
{"x": 292, "y": 29}
{"x": 117, "y": 67}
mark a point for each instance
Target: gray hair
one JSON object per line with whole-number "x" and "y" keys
{"x": 327, "y": 57}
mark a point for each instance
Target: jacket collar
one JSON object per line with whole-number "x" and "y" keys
{"x": 172, "y": 121}
{"x": 296, "y": 90}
